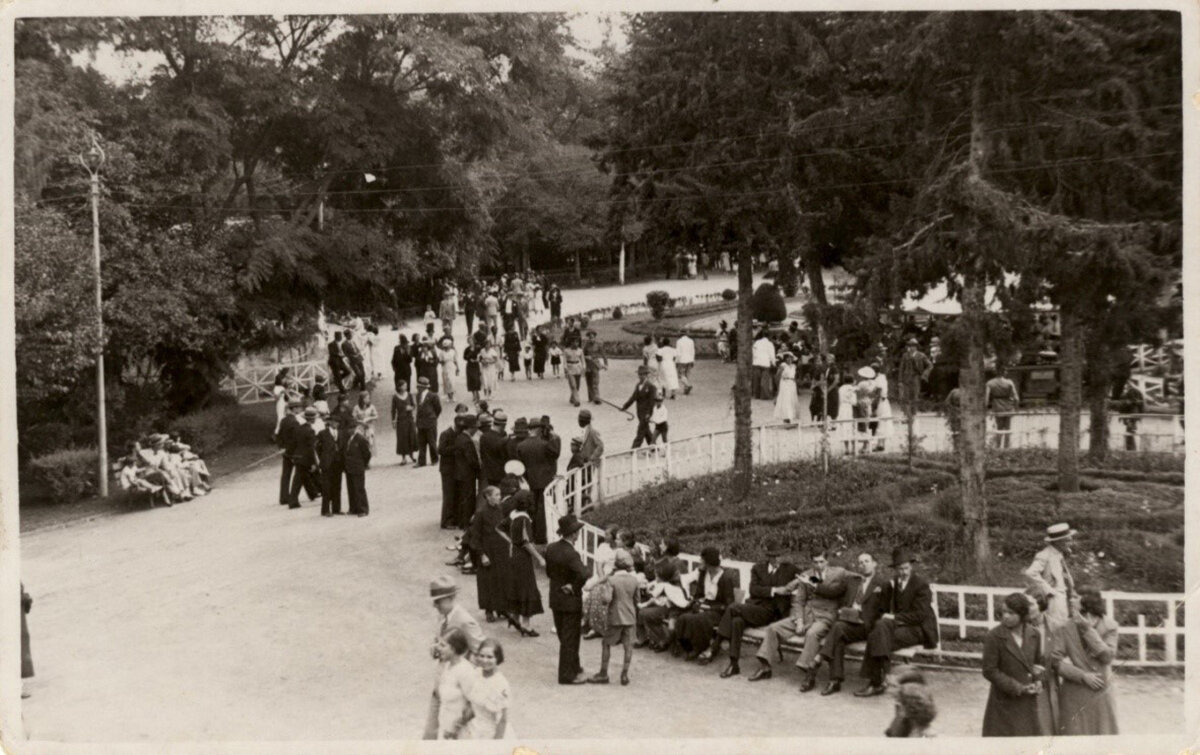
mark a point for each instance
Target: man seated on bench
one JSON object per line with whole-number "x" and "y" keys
{"x": 821, "y": 591}
{"x": 771, "y": 586}
{"x": 854, "y": 623}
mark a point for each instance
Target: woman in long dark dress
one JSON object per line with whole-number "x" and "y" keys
{"x": 512, "y": 351}
{"x": 402, "y": 360}
{"x": 470, "y": 355}
{"x": 1013, "y": 663}
{"x": 493, "y": 572}
{"x": 524, "y": 599}
{"x": 403, "y": 420}
{"x": 712, "y": 592}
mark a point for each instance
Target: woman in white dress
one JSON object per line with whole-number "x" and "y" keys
{"x": 883, "y": 410}
{"x": 489, "y": 697}
{"x": 787, "y": 402}
{"x": 489, "y": 358}
{"x": 365, "y": 411}
{"x": 456, "y": 678}
{"x": 668, "y": 373}
{"x": 846, "y": 399}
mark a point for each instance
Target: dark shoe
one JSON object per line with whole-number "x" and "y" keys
{"x": 490, "y": 617}
{"x": 832, "y": 688}
{"x": 362, "y": 513}
{"x": 293, "y": 505}
{"x": 598, "y": 679}
{"x": 704, "y": 658}
{"x": 467, "y": 570}
{"x": 624, "y": 678}
{"x": 691, "y": 656}
{"x": 809, "y": 683}
{"x": 762, "y": 673}
{"x": 730, "y": 670}
{"x": 871, "y": 690}
{"x": 577, "y": 680}
{"x": 326, "y": 514}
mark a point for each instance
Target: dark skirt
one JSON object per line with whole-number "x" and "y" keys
{"x": 493, "y": 581}
{"x": 523, "y": 598}
{"x": 474, "y": 377}
{"x": 406, "y": 435}
{"x": 694, "y": 630}
{"x": 514, "y": 361}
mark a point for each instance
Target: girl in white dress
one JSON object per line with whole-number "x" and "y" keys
{"x": 489, "y": 697}
{"x": 883, "y": 409}
{"x": 366, "y": 412}
{"x": 489, "y": 358}
{"x": 456, "y": 677}
{"x": 846, "y": 399}
{"x": 668, "y": 374}
{"x": 787, "y": 402}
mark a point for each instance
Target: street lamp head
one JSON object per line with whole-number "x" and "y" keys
{"x": 94, "y": 157}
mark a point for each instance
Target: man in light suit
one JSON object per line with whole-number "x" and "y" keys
{"x": 451, "y": 616}
{"x": 1049, "y": 571}
{"x": 591, "y": 450}
{"x": 819, "y": 592}
{"x": 567, "y": 575}
{"x": 771, "y": 585}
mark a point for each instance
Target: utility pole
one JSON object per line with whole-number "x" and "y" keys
{"x": 91, "y": 161}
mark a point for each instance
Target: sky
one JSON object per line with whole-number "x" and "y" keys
{"x": 587, "y": 28}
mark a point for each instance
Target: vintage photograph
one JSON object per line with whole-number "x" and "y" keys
{"x": 599, "y": 376}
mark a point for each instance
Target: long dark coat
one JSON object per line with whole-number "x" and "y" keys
{"x": 1008, "y": 668}
{"x": 492, "y": 581}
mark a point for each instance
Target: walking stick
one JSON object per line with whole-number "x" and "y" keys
{"x": 629, "y": 415}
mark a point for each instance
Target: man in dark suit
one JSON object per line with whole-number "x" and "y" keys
{"x": 492, "y": 444}
{"x": 337, "y": 369}
{"x": 645, "y": 395}
{"x": 468, "y": 471}
{"x": 329, "y": 458}
{"x": 287, "y": 428}
{"x": 445, "y": 456}
{"x": 567, "y": 576}
{"x": 303, "y": 451}
{"x": 519, "y": 434}
{"x": 770, "y": 597}
{"x": 344, "y": 414}
{"x": 357, "y": 459}
{"x": 429, "y": 408}
{"x": 854, "y": 623}
{"x": 539, "y": 453}
{"x": 909, "y": 620}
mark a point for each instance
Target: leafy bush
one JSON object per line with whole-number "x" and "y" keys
{"x": 67, "y": 475}
{"x": 207, "y": 430}
{"x": 767, "y": 305}
{"x": 729, "y": 294}
{"x": 658, "y": 301}
{"x": 45, "y": 438}
{"x": 617, "y": 314}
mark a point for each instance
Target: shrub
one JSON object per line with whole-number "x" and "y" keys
{"x": 617, "y": 314}
{"x": 766, "y": 305}
{"x": 39, "y": 440}
{"x": 207, "y": 430}
{"x": 729, "y": 294}
{"x": 67, "y": 475}
{"x": 658, "y": 301}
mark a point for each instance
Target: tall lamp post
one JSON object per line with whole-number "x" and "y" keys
{"x": 92, "y": 160}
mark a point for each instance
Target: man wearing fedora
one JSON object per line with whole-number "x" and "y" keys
{"x": 493, "y": 450}
{"x": 429, "y": 408}
{"x": 519, "y": 434}
{"x": 443, "y": 591}
{"x": 771, "y": 586}
{"x": 539, "y": 453}
{"x": 468, "y": 471}
{"x": 285, "y": 438}
{"x": 329, "y": 459}
{"x": 355, "y": 462}
{"x": 645, "y": 395}
{"x": 446, "y": 443}
{"x": 1050, "y": 572}
{"x": 908, "y": 621}
{"x": 304, "y": 460}
{"x": 567, "y": 575}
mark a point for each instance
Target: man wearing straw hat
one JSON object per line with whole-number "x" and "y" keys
{"x": 451, "y": 616}
{"x": 1049, "y": 570}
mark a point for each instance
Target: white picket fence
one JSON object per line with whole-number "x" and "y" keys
{"x": 251, "y": 384}
{"x": 1157, "y": 640}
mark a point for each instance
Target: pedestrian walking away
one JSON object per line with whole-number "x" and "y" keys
{"x": 685, "y": 356}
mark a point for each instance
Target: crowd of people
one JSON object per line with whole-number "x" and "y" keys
{"x": 163, "y": 468}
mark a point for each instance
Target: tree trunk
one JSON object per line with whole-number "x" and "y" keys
{"x": 816, "y": 278}
{"x": 1099, "y": 383}
{"x": 786, "y": 279}
{"x": 578, "y": 274}
{"x": 1071, "y": 382}
{"x": 743, "y": 451}
{"x": 973, "y": 443}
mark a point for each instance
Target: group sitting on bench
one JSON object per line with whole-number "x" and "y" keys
{"x": 165, "y": 469}
{"x": 819, "y": 612}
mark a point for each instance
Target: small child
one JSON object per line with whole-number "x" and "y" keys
{"x": 555, "y": 357}
{"x": 430, "y": 320}
{"x": 723, "y": 341}
{"x": 658, "y": 419}
{"x": 527, "y": 355}
{"x": 622, "y": 617}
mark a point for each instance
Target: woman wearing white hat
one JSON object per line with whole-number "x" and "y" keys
{"x": 865, "y": 394}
